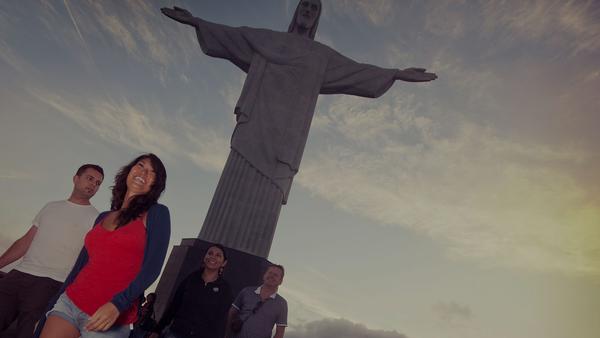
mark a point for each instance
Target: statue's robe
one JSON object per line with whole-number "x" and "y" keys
{"x": 286, "y": 74}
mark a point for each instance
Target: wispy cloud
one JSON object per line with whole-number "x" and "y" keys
{"x": 307, "y": 306}
{"x": 11, "y": 58}
{"x": 456, "y": 320}
{"x": 15, "y": 176}
{"x": 144, "y": 129}
{"x": 73, "y": 20}
{"x": 327, "y": 328}
{"x": 117, "y": 121}
{"x": 447, "y": 18}
{"x": 137, "y": 28}
{"x": 119, "y": 30}
{"x": 572, "y": 24}
{"x": 152, "y": 37}
{"x": 207, "y": 148}
{"x": 377, "y": 12}
{"x": 492, "y": 198}
{"x": 452, "y": 312}
{"x": 5, "y": 243}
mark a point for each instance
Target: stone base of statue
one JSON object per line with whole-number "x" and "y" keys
{"x": 243, "y": 269}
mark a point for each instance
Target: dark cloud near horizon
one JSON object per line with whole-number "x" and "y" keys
{"x": 329, "y": 327}
{"x": 452, "y": 311}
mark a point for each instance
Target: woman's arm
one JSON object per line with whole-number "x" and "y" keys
{"x": 158, "y": 233}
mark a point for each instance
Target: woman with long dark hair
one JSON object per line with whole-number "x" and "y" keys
{"x": 199, "y": 307}
{"x": 122, "y": 255}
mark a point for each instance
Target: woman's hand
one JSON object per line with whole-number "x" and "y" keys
{"x": 103, "y": 318}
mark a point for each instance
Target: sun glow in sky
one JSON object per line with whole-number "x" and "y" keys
{"x": 465, "y": 207}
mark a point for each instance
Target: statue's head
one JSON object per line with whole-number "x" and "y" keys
{"x": 306, "y": 18}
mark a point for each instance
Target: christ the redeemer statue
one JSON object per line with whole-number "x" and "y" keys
{"x": 286, "y": 74}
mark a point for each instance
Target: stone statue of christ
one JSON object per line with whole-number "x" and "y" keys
{"x": 286, "y": 72}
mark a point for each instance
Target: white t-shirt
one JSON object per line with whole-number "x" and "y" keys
{"x": 61, "y": 227}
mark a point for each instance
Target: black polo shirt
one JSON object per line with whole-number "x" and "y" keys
{"x": 198, "y": 309}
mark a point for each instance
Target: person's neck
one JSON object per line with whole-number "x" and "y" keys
{"x": 267, "y": 290}
{"x": 210, "y": 275}
{"x": 79, "y": 200}
{"x": 128, "y": 198}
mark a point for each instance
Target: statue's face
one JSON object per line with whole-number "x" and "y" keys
{"x": 308, "y": 11}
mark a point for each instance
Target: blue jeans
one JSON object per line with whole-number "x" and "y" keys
{"x": 65, "y": 309}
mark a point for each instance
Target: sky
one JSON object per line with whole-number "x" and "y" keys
{"x": 465, "y": 207}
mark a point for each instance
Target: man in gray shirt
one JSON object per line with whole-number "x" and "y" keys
{"x": 260, "y": 308}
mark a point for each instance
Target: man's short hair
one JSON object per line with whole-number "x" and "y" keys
{"x": 84, "y": 167}
{"x": 278, "y": 266}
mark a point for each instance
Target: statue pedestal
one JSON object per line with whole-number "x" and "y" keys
{"x": 243, "y": 269}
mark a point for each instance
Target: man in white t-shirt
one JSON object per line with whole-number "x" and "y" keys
{"x": 49, "y": 250}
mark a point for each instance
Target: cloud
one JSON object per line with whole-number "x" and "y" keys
{"x": 150, "y": 35}
{"x": 207, "y": 148}
{"x": 327, "y": 328}
{"x": 487, "y": 197}
{"x": 74, "y": 21}
{"x": 15, "y": 176}
{"x": 135, "y": 27}
{"x": 5, "y": 242}
{"x": 231, "y": 91}
{"x": 120, "y": 122}
{"x": 307, "y": 306}
{"x": 447, "y": 18}
{"x": 119, "y": 32}
{"x": 377, "y": 12}
{"x": 10, "y": 57}
{"x": 452, "y": 312}
{"x": 571, "y": 24}
{"x": 114, "y": 120}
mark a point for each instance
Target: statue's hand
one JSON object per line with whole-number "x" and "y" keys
{"x": 179, "y": 14}
{"x": 415, "y": 75}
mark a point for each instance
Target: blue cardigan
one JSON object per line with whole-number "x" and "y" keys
{"x": 158, "y": 232}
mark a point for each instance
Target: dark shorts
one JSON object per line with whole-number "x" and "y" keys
{"x": 24, "y": 297}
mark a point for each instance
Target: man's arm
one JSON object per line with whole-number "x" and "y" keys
{"x": 232, "y": 312}
{"x": 18, "y": 248}
{"x": 279, "y": 331}
{"x": 281, "y": 320}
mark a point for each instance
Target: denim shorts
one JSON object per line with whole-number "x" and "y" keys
{"x": 65, "y": 309}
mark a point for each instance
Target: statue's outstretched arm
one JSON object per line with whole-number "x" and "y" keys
{"x": 180, "y": 15}
{"x": 217, "y": 40}
{"x": 346, "y": 76}
{"x": 414, "y": 75}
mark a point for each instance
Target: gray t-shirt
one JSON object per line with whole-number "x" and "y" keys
{"x": 259, "y": 319}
